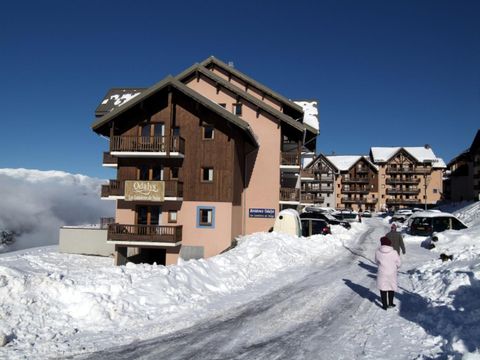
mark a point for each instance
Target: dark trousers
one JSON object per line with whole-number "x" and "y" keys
{"x": 383, "y": 295}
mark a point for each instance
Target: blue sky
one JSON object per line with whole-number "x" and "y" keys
{"x": 385, "y": 73}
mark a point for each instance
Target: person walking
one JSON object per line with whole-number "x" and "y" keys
{"x": 396, "y": 238}
{"x": 388, "y": 262}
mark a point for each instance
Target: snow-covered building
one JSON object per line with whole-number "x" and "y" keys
{"x": 200, "y": 158}
{"x": 356, "y": 183}
{"x": 409, "y": 176}
{"x": 318, "y": 182}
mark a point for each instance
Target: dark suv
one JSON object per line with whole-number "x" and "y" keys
{"x": 427, "y": 225}
{"x": 330, "y": 219}
{"x": 312, "y": 226}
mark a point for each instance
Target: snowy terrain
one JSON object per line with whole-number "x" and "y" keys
{"x": 271, "y": 297}
{"x": 36, "y": 203}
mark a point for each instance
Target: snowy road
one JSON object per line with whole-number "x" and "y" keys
{"x": 333, "y": 312}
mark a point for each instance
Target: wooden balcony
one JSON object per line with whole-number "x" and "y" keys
{"x": 409, "y": 170}
{"x": 154, "y": 234}
{"x": 355, "y": 191}
{"x": 307, "y": 173}
{"x": 116, "y": 188}
{"x": 403, "y": 181}
{"x": 326, "y": 178}
{"x": 312, "y": 199}
{"x": 289, "y": 194}
{"x": 403, "y": 202}
{"x": 289, "y": 159}
{"x": 109, "y": 160}
{"x": 363, "y": 170}
{"x": 358, "y": 180}
{"x": 403, "y": 191}
{"x": 316, "y": 188}
{"x": 149, "y": 145}
{"x": 347, "y": 200}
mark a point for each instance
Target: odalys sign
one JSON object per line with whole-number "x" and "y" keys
{"x": 144, "y": 190}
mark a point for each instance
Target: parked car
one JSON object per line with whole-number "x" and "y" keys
{"x": 331, "y": 220}
{"x": 401, "y": 215}
{"x": 312, "y": 226}
{"x": 428, "y": 222}
{"x": 350, "y": 216}
{"x": 366, "y": 214}
{"x": 288, "y": 222}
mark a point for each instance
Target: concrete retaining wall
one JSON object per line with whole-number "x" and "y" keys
{"x": 85, "y": 241}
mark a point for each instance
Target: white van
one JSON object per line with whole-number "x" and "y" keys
{"x": 288, "y": 222}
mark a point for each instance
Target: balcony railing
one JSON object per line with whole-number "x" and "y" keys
{"x": 147, "y": 144}
{"x": 312, "y": 199}
{"x": 403, "y": 191}
{"x": 326, "y": 178}
{"x": 316, "y": 188}
{"x": 306, "y": 173}
{"x": 173, "y": 188}
{"x": 355, "y": 180}
{"x": 109, "y": 160}
{"x": 114, "y": 188}
{"x": 403, "y": 181}
{"x": 403, "y": 201}
{"x": 355, "y": 191}
{"x": 145, "y": 233}
{"x": 290, "y": 159}
{"x": 289, "y": 194}
{"x": 347, "y": 200}
{"x": 409, "y": 170}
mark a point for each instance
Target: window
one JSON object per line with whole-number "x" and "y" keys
{"x": 205, "y": 217}
{"x": 147, "y": 173}
{"x": 174, "y": 173}
{"x": 208, "y": 132}
{"x": 143, "y": 173}
{"x": 176, "y": 131}
{"x": 172, "y": 216}
{"x": 237, "y": 109}
{"x": 207, "y": 174}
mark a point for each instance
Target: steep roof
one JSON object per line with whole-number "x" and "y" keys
{"x": 213, "y": 61}
{"x": 318, "y": 158}
{"x": 345, "y": 162}
{"x": 116, "y": 97}
{"x": 310, "y": 113}
{"x": 197, "y": 68}
{"x": 419, "y": 153}
{"x": 170, "y": 81}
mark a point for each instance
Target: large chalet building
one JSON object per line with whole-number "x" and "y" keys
{"x": 200, "y": 158}
{"x": 388, "y": 178}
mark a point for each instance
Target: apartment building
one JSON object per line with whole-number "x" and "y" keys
{"x": 388, "y": 178}
{"x": 199, "y": 160}
{"x": 318, "y": 183}
{"x": 356, "y": 183}
{"x": 408, "y": 176}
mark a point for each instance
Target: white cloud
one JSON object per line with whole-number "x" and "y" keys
{"x": 34, "y": 204}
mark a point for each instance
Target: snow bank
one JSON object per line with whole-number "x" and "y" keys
{"x": 58, "y": 304}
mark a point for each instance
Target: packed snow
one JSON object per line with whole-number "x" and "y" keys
{"x": 310, "y": 113}
{"x": 36, "y": 203}
{"x": 273, "y": 296}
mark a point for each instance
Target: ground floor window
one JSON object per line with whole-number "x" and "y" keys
{"x": 205, "y": 217}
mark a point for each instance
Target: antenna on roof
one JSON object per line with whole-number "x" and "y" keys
{"x": 231, "y": 64}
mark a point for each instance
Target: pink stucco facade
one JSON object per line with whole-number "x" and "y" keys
{"x": 263, "y": 188}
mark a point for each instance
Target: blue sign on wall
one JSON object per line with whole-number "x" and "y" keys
{"x": 261, "y": 213}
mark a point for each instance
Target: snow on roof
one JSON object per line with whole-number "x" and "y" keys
{"x": 310, "y": 113}
{"x": 343, "y": 162}
{"x": 420, "y": 153}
